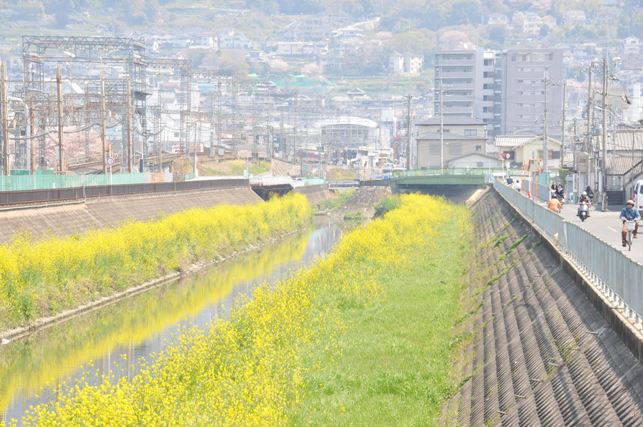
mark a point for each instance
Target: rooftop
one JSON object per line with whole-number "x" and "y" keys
{"x": 513, "y": 141}
{"x": 450, "y": 121}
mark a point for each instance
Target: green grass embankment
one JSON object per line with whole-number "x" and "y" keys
{"x": 393, "y": 361}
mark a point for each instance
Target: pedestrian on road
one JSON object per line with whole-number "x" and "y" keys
{"x": 554, "y": 205}
{"x": 629, "y": 214}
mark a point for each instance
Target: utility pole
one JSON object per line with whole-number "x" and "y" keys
{"x": 211, "y": 153}
{"x": 590, "y": 124}
{"x": 441, "y": 128}
{"x": 59, "y": 99}
{"x": 4, "y": 107}
{"x": 30, "y": 142}
{"x": 408, "y": 132}
{"x": 589, "y": 109}
{"x": 562, "y": 136}
{"x": 195, "y": 171}
{"x": 574, "y": 165}
{"x": 604, "y": 163}
{"x": 218, "y": 128}
{"x": 129, "y": 125}
{"x": 545, "y": 136}
{"x": 102, "y": 120}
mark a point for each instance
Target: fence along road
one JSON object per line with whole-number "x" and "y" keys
{"x": 619, "y": 277}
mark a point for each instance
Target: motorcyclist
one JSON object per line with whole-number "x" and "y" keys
{"x": 583, "y": 198}
{"x": 560, "y": 193}
{"x": 629, "y": 214}
{"x": 589, "y": 192}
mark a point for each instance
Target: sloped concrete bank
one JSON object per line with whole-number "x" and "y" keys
{"x": 77, "y": 217}
{"x": 538, "y": 351}
{"x": 315, "y": 193}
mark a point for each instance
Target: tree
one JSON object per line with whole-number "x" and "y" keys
{"x": 29, "y": 9}
{"x": 544, "y": 31}
{"x": 299, "y": 7}
{"x": 61, "y": 9}
{"x": 497, "y": 34}
{"x": 465, "y": 12}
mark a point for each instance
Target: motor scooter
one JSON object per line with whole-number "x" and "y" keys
{"x": 583, "y": 211}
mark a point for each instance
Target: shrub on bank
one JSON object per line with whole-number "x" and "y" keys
{"x": 43, "y": 278}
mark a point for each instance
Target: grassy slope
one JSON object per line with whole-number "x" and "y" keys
{"x": 232, "y": 168}
{"x": 393, "y": 365}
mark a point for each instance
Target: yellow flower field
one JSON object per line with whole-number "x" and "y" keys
{"x": 46, "y": 277}
{"x": 250, "y": 370}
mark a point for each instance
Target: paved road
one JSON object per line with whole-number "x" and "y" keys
{"x": 607, "y": 227}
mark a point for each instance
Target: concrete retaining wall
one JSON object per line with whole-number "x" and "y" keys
{"x": 315, "y": 193}
{"x": 81, "y": 216}
{"x": 614, "y": 316}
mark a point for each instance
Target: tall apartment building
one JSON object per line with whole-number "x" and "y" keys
{"x": 503, "y": 89}
{"x": 523, "y": 91}
{"x": 465, "y": 84}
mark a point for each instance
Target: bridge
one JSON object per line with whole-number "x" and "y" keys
{"x": 454, "y": 184}
{"x": 437, "y": 176}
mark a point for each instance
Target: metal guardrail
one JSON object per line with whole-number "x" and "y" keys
{"x": 443, "y": 180}
{"x": 619, "y": 278}
{"x": 345, "y": 183}
{"x": 452, "y": 171}
{"x": 52, "y": 181}
{"x": 8, "y": 198}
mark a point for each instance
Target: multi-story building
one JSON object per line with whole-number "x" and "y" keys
{"x": 466, "y": 86}
{"x": 405, "y": 64}
{"x": 457, "y": 83}
{"x": 504, "y": 90}
{"x": 522, "y": 73}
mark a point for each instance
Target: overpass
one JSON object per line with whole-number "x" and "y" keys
{"x": 454, "y": 184}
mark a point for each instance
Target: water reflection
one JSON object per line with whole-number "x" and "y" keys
{"x": 112, "y": 339}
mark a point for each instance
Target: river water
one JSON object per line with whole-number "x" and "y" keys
{"x": 115, "y": 338}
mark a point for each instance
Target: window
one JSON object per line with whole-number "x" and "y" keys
{"x": 488, "y": 62}
{"x": 479, "y": 164}
{"x": 487, "y": 74}
{"x": 487, "y": 86}
{"x": 470, "y": 132}
{"x": 176, "y": 134}
{"x": 478, "y": 147}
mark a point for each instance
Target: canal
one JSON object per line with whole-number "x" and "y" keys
{"x": 113, "y": 340}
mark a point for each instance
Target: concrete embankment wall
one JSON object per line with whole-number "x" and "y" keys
{"x": 104, "y": 212}
{"x": 315, "y": 193}
{"x": 541, "y": 352}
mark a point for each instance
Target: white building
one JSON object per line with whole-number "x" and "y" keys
{"x": 406, "y": 64}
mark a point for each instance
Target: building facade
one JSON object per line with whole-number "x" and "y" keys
{"x": 466, "y": 84}
{"x": 436, "y": 145}
{"x": 522, "y": 75}
{"x": 406, "y": 64}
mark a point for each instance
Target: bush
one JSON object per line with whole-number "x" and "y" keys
{"x": 386, "y": 205}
